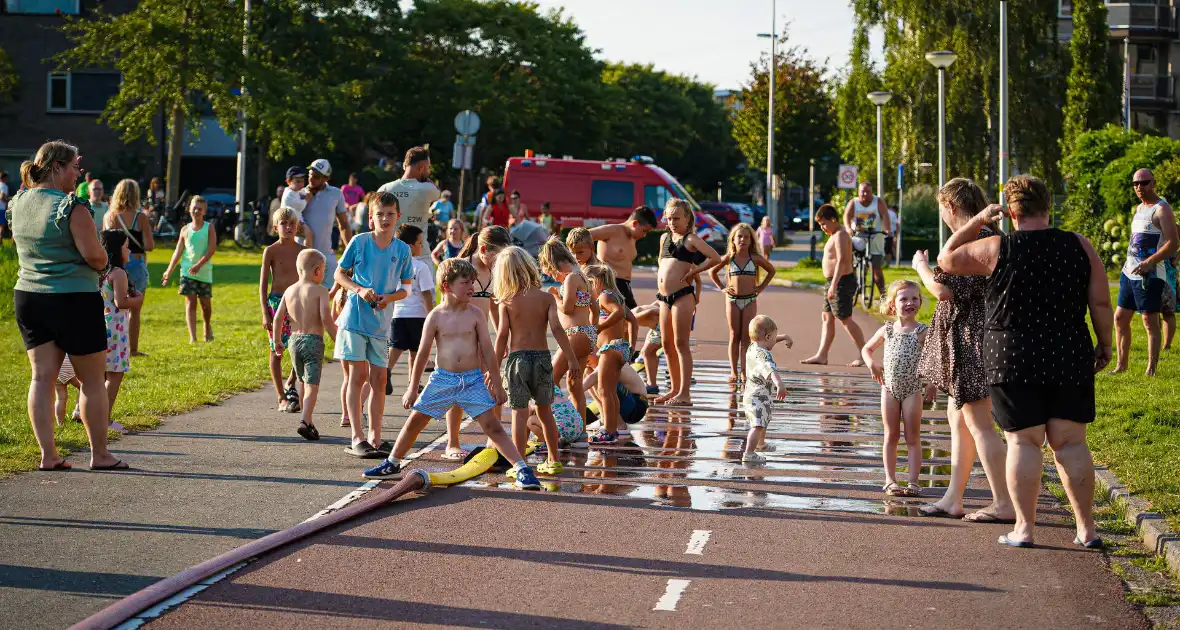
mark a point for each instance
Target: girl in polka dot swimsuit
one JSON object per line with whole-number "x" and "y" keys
{"x": 901, "y": 388}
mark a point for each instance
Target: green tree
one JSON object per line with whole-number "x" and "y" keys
{"x": 804, "y": 115}
{"x": 855, "y": 114}
{"x": 9, "y": 79}
{"x": 1090, "y": 99}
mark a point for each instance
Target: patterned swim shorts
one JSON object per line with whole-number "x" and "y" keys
{"x": 529, "y": 374}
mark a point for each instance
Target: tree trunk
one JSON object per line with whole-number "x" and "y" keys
{"x": 175, "y": 143}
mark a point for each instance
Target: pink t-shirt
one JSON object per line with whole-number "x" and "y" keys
{"x": 352, "y": 194}
{"x": 765, "y": 236}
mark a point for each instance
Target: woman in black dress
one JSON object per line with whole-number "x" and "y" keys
{"x": 952, "y": 361}
{"x": 1038, "y": 355}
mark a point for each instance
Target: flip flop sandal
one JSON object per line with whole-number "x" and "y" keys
{"x": 385, "y": 447}
{"x": 345, "y": 422}
{"x": 306, "y": 431}
{"x": 118, "y": 465}
{"x": 1097, "y": 543}
{"x": 62, "y": 465}
{"x": 455, "y": 455}
{"x": 934, "y": 511}
{"x": 988, "y": 517}
{"x": 910, "y": 490}
{"x": 893, "y": 489}
{"x": 1022, "y": 544}
{"x": 363, "y": 450}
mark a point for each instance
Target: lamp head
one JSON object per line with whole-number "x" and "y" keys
{"x": 765, "y": 35}
{"x": 941, "y": 59}
{"x": 880, "y": 98}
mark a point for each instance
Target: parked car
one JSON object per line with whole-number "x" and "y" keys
{"x": 729, "y": 213}
{"x": 745, "y": 212}
{"x": 712, "y": 231}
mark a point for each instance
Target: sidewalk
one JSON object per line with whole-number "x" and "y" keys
{"x": 203, "y": 483}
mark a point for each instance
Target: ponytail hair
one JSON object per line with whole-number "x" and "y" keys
{"x": 37, "y": 170}
{"x": 493, "y": 237}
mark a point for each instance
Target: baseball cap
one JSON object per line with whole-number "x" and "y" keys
{"x": 446, "y": 193}
{"x": 296, "y": 171}
{"x": 322, "y": 167}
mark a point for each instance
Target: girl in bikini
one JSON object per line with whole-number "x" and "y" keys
{"x": 683, "y": 258}
{"x": 480, "y": 250}
{"x": 901, "y": 387}
{"x": 741, "y": 263}
{"x": 617, "y": 330}
{"x": 575, "y": 310}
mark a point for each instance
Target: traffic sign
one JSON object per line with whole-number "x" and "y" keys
{"x": 846, "y": 177}
{"x": 467, "y": 123}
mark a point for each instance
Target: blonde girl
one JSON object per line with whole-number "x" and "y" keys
{"x": 194, "y": 250}
{"x": 901, "y": 387}
{"x": 741, "y": 263}
{"x": 617, "y": 330}
{"x": 575, "y": 310}
{"x": 452, "y": 244}
{"x": 765, "y": 238}
{"x": 126, "y": 215}
{"x": 581, "y": 243}
{"x": 683, "y": 258}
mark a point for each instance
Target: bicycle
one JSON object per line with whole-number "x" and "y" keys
{"x": 251, "y": 229}
{"x": 862, "y": 263}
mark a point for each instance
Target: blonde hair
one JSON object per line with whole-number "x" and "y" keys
{"x": 761, "y": 326}
{"x": 897, "y": 286}
{"x": 578, "y": 236}
{"x": 308, "y": 261}
{"x": 553, "y": 255}
{"x": 515, "y": 273}
{"x": 963, "y": 196}
{"x": 195, "y": 201}
{"x": 37, "y": 170}
{"x": 731, "y": 251}
{"x": 452, "y": 269}
{"x": 678, "y": 205}
{"x": 282, "y": 214}
{"x": 1027, "y": 196}
{"x": 126, "y": 195}
{"x": 461, "y": 224}
{"x": 604, "y": 275}
{"x": 493, "y": 238}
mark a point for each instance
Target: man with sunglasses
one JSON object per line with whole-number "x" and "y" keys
{"x": 1143, "y": 282}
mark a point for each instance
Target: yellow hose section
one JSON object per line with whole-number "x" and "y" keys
{"x": 478, "y": 465}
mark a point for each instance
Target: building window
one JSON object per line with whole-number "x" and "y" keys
{"x": 1064, "y": 8}
{"x": 81, "y": 92}
{"x": 612, "y": 194}
{"x": 41, "y": 7}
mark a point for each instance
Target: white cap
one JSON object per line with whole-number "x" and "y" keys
{"x": 322, "y": 167}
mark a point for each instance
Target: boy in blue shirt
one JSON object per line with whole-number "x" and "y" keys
{"x": 376, "y": 270}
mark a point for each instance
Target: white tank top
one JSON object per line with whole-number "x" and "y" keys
{"x": 1145, "y": 240}
{"x": 866, "y": 216}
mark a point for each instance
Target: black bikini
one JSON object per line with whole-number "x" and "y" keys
{"x": 483, "y": 287}
{"x": 679, "y": 251}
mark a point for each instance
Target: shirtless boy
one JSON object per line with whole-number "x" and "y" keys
{"x": 616, "y": 247}
{"x": 840, "y": 290}
{"x": 465, "y": 357}
{"x": 307, "y": 307}
{"x": 278, "y": 273}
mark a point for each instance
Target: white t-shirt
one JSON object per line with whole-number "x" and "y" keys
{"x": 414, "y": 199}
{"x": 893, "y": 222}
{"x": 295, "y": 199}
{"x": 414, "y": 306}
{"x": 3, "y": 196}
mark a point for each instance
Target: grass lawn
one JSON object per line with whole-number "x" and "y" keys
{"x": 177, "y": 377}
{"x": 815, "y": 275}
{"x": 1137, "y": 434}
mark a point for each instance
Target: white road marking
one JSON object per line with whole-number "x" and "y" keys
{"x": 696, "y": 544}
{"x": 672, "y": 595}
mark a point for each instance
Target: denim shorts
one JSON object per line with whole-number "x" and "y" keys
{"x": 137, "y": 273}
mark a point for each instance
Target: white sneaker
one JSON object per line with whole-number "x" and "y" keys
{"x": 753, "y": 458}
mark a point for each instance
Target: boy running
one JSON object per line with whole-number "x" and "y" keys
{"x": 465, "y": 357}
{"x": 306, "y": 306}
{"x": 616, "y": 247}
{"x": 278, "y": 273}
{"x": 376, "y": 271}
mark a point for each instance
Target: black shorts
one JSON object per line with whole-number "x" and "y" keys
{"x": 74, "y": 321}
{"x": 845, "y": 296}
{"x": 407, "y": 333}
{"x": 1017, "y": 406}
{"x": 625, "y": 290}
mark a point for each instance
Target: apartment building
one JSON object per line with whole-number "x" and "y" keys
{"x": 1145, "y": 33}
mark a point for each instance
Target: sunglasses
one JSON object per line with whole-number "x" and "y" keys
{"x": 1143, "y": 182}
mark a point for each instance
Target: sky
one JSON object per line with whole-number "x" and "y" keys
{"x": 713, "y": 40}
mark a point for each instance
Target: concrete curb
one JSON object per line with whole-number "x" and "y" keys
{"x": 1152, "y": 527}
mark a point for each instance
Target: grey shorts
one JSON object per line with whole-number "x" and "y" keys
{"x": 529, "y": 376}
{"x": 307, "y": 353}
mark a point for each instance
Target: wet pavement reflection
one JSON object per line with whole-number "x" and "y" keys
{"x": 823, "y": 451}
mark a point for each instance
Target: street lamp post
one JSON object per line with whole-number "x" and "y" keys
{"x": 879, "y": 99}
{"x": 771, "y": 207}
{"x": 942, "y": 60}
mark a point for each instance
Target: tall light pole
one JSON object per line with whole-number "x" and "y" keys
{"x": 771, "y": 206}
{"x": 240, "y": 184}
{"x": 1003, "y": 103}
{"x": 1127, "y": 83}
{"x": 942, "y": 60}
{"x": 879, "y": 99}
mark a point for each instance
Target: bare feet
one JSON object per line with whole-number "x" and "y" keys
{"x": 1150, "y": 372}
{"x": 856, "y": 363}
{"x": 1117, "y": 370}
{"x": 818, "y": 359}
{"x": 137, "y": 353}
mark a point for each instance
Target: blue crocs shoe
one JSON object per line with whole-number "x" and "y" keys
{"x": 526, "y": 480}
{"x": 385, "y": 470}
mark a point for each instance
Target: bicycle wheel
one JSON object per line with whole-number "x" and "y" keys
{"x": 866, "y": 282}
{"x": 872, "y": 287}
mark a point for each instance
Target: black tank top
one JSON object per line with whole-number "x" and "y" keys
{"x": 1036, "y": 311}
{"x": 135, "y": 242}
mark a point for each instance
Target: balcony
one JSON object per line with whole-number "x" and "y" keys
{"x": 1141, "y": 20}
{"x": 1149, "y": 90}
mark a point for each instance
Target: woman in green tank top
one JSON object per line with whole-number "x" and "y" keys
{"x": 59, "y": 310}
{"x": 194, "y": 250}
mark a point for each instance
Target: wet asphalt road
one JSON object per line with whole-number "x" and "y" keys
{"x": 670, "y": 529}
